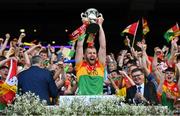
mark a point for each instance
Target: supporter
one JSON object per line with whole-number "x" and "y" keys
{"x": 90, "y": 70}
{"x": 168, "y": 90}
{"x": 96, "y": 72}
{"x": 117, "y": 76}
{"x": 7, "y": 87}
{"x": 141, "y": 92}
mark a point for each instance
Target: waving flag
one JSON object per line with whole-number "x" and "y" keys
{"x": 9, "y": 87}
{"x": 78, "y": 32}
{"x": 145, "y": 26}
{"x": 172, "y": 33}
{"x": 68, "y": 53}
{"x": 131, "y": 29}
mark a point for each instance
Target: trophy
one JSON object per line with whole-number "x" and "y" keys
{"x": 92, "y": 14}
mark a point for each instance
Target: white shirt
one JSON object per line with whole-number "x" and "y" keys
{"x": 142, "y": 88}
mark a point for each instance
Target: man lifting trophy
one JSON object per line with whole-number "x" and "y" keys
{"x": 91, "y": 14}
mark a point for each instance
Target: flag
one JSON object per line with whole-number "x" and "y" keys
{"x": 91, "y": 38}
{"x": 78, "y": 32}
{"x": 68, "y": 53}
{"x": 145, "y": 26}
{"x": 66, "y": 68}
{"x": 82, "y": 36}
{"x": 131, "y": 29}
{"x": 8, "y": 88}
{"x": 172, "y": 33}
{"x": 70, "y": 42}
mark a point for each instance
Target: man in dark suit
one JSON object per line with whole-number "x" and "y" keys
{"x": 38, "y": 80}
{"x": 141, "y": 92}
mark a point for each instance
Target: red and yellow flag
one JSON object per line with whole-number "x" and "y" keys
{"x": 131, "y": 29}
{"x": 78, "y": 32}
{"x": 145, "y": 26}
{"x": 8, "y": 88}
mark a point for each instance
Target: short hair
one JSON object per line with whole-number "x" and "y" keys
{"x": 3, "y": 66}
{"x": 2, "y": 58}
{"x": 90, "y": 47}
{"x": 170, "y": 69}
{"x": 137, "y": 69}
{"x": 43, "y": 51}
{"x": 36, "y": 60}
{"x": 178, "y": 57}
{"x": 132, "y": 62}
{"x": 132, "y": 66}
{"x": 124, "y": 60}
{"x": 116, "y": 70}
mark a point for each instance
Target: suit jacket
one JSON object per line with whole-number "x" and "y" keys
{"x": 149, "y": 93}
{"x": 39, "y": 81}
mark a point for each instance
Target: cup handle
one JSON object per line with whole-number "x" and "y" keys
{"x": 83, "y": 15}
{"x": 100, "y": 15}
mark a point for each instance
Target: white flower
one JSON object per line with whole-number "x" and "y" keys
{"x": 30, "y": 104}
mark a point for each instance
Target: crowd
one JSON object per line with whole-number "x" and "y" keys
{"x": 132, "y": 73}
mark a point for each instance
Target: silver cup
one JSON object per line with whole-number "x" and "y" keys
{"x": 91, "y": 14}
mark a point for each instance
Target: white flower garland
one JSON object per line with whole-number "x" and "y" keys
{"x": 29, "y": 104}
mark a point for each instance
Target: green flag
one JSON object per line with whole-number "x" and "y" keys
{"x": 81, "y": 37}
{"x": 172, "y": 33}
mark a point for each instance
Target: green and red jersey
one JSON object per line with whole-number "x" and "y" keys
{"x": 90, "y": 78}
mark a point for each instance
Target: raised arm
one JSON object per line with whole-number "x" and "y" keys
{"x": 155, "y": 69}
{"x": 178, "y": 69}
{"x": 143, "y": 47}
{"x": 22, "y": 35}
{"x": 144, "y": 65}
{"x": 60, "y": 70}
{"x": 6, "y": 60}
{"x": 112, "y": 82}
{"x": 174, "y": 50}
{"x": 102, "y": 42}
{"x": 5, "y": 43}
{"x": 161, "y": 79}
{"x": 121, "y": 58}
{"x": 124, "y": 74}
{"x": 79, "y": 51}
{"x": 10, "y": 52}
{"x": 26, "y": 54}
{"x": 79, "y": 48}
{"x": 59, "y": 75}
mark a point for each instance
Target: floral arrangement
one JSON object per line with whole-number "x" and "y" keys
{"x": 27, "y": 104}
{"x": 30, "y": 104}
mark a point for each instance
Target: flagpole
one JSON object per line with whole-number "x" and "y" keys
{"x": 177, "y": 25}
{"x": 178, "y": 32}
{"x": 135, "y": 35}
{"x": 143, "y": 36}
